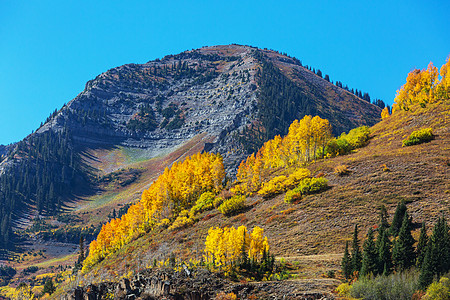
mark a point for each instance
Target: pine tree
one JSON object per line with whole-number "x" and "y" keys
{"x": 398, "y": 218}
{"x": 346, "y": 262}
{"x": 49, "y": 287}
{"x": 403, "y": 254}
{"x": 441, "y": 247}
{"x": 370, "y": 259}
{"x": 428, "y": 268}
{"x": 383, "y": 219}
{"x": 384, "y": 253}
{"x": 356, "y": 252}
{"x": 81, "y": 255}
{"x": 422, "y": 246}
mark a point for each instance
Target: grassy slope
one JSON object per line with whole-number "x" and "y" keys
{"x": 311, "y": 234}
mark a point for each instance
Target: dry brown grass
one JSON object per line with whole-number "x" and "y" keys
{"x": 341, "y": 170}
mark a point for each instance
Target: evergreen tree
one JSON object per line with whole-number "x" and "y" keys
{"x": 319, "y": 73}
{"x": 49, "y": 287}
{"x": 403, "y": 254}
{"x": 346, "y": 262}
{"x": 398, "y": 218}
{"x": 422, "y": 246}
{"x": 81, "y": 254}
{"x": 428, "y": 268}
{"x": 441, "y": 247}
{"x": 356, "y": 252}
{"x": 383, "y": 219}
{"x": 370, "y": 257}
{"x": 384, "y": 253}
{"x": 436, "y": 260}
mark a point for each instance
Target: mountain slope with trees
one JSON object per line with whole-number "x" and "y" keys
{"x": 226, "y": 99}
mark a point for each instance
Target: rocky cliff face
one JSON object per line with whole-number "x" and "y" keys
{"x": 212, "y": 90}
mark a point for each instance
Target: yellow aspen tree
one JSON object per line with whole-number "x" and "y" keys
{"x": 258, "y": 243}
{"x": 385, "y": 113}
{"x": 443, "y": 87}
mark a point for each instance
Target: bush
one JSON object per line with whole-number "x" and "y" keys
{"x": 419, "y": 137}
{"x": 439, "y": 290}
{"x": 345, "y": 143}
{"x": 395, "y": 286}
{"x": 344, "y": 289}
{"x": 181, "y": 222}
{"x": 313, "y": 185}
{"x": 273, "y": 187}
{"x": 293, "y": 195}
{"x": 217, "y": 202}
{"x": 341, "y": 170}
{"x": 204, "y": 202}
{"x": 296, "y": 177}
{"x": 30, "y": 269}
{"x": 232, "y": 205}
{"x": 358, "y": 137}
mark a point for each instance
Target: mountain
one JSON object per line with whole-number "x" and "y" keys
{"x": 227, "y": 99}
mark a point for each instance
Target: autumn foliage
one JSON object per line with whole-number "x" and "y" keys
{"x": 424, "y": 86}
{"x": 226, "y": 246}
{"x": 305, "y": 141}
{"x": 168, "y": 199}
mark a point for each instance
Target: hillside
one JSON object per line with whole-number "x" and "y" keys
{"x": 103, "y": 148}
{"x": 310, "y": 234}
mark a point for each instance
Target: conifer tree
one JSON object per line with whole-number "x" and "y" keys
{"x": 441, "y": 247}
{"x": 428, "y": 268}
{"x": 384, "y": 253}
{"x": 346, "y": 262}
{"x": 49, "y": 287}
{"x": 383, "y": 222}
{"x": 356, "y": 252}
{"x": 370, "y": 259}
{"x": 403, "y": 254}
{"x": 422, "y": 246}
{"x": 398, "y": 218}
{"x": 81, "y": 255}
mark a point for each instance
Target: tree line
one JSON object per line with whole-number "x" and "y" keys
{"x": 45, "y": 171}
{"x": 394, "y": 250}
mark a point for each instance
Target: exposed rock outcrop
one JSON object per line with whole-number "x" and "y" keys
{"x": 202, "y": 285}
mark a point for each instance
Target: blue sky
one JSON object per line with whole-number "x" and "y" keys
{"x": 49, "y": 49}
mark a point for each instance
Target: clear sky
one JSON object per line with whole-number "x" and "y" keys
{"x": 49, "y": 49}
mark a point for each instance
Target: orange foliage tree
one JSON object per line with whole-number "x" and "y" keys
{"x": 424, "y": 86}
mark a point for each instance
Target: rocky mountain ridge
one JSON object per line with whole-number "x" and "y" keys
{"x": 212, "y": 90}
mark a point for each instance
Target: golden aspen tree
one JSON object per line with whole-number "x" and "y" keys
{"x": 423, "y": 86}
{"x": 225, "y": 246}
{"x": 443, "y": 87}
{"x": 385, "y": 113}
{"x": 304, "y": 140}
